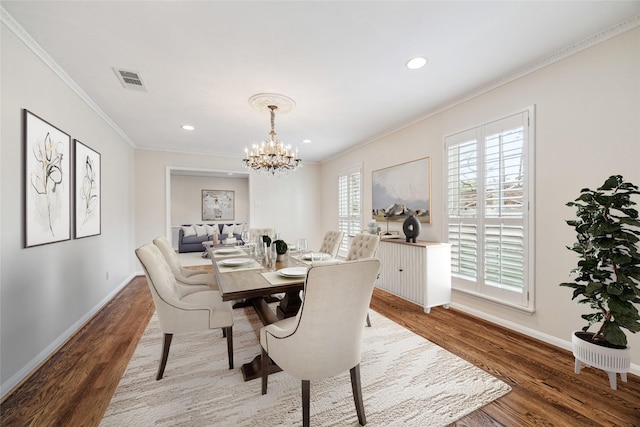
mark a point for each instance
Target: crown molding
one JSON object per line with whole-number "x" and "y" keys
{"x": 26, "y": 38}
{"x": 600, "y": 37}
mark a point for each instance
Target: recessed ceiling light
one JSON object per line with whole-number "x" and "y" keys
{"x": 306, "y": 141}
{"x": 187, "y": 127}
{"x": 417, "y": 62}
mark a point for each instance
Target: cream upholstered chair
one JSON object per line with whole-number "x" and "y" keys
{"x": 363, "y": 246}
{"x": 325, "y": 338}
{"x": 331, "y": 243}
{"x": 177, "y": 313}
{"x": 191, "y": 280}
{"x": 255, "y": 232}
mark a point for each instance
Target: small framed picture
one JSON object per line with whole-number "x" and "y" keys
{"x": 217, "y": 205}
{"x": 87, "y": 191}
{"x": 46, "y": 182}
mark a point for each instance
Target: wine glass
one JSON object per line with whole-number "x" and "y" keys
{"x": 260, "y": 252}
{"x": 273, "y": 254}
{"x": 303, "y": 246}
{"x": 245, "y": 236}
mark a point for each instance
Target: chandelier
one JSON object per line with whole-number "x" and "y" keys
{"x": 272, "y": 157}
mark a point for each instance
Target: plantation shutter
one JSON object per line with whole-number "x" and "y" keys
{"x": 349, "y": 206}
{"x": 487, "y": 208}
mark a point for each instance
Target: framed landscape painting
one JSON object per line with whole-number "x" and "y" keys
{"x": 402, "y": 189}
{"x": 87, "y": 191}
{"x": 217, "y": 205}
{"x": 46, "y": 182}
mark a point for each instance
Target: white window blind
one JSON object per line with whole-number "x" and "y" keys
{"x": 489, "y": 185}
{"x": 349, "y": 205}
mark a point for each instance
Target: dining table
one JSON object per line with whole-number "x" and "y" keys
{"x": 242, "y": 277}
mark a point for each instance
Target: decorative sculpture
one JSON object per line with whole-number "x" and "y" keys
{"x": 411, "y": 228}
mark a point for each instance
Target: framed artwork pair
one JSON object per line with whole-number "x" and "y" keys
{"x": 51, "y": 176}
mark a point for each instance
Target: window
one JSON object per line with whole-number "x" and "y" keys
{"x": 349, "y": 205}
{"x": 489, "y": 225}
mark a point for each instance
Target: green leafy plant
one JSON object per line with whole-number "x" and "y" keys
{"x": 266, "y": 239}
{"x": 608, "y": 272}
{"x": 281, "y": 247}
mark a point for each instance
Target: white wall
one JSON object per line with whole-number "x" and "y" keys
{"x": 47, "y": 292}
{"x": 290, "y": 204}
{"x": 587, "y": 128}
{"x": 186, "y": 198}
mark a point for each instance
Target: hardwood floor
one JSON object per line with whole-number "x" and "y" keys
{"x": 74, "y": 387}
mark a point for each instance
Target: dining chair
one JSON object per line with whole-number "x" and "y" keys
{"x": 363, "y": 246}
{"x": 325, "y": 338}
{"x": 191, "y": 280}
{"x": 331, "y": 243}
{"x": 177, "y": 313}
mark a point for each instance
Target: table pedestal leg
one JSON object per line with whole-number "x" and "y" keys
{"x": 252, "y": 370}
{"x": 289, "y": 305}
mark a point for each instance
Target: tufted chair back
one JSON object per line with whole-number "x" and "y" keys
{"x": 196, "y": 280}
{"x": 363, "y": 246}
{"x": 169, "y": 255}
{"x": 331, "y": 243}
{"x": 255, "y": 232}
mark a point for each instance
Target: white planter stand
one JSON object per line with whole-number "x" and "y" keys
{"x": 610, "y": 360}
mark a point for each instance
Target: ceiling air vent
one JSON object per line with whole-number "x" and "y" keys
{"x": 130, "y": 79}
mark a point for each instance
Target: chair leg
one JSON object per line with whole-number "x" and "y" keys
{"x": 357, "y": 394}
{"x": 265, "y": 370}
{"x": 306, "y": 397}
{"x": 166, "y": 343}
{"x": 229, "y": 334}
{"x": 224, "y": 332}
{"x": 368, "y": 320}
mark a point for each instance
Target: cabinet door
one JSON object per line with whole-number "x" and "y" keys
{"x": 403, "y": 270}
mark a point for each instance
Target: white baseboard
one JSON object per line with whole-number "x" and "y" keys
{"x": 549, "y": 339}
{"x": 23, "y": 373}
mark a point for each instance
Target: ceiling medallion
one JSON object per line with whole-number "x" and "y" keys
{"x": 272, "y": 157}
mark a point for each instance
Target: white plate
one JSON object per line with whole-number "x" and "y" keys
{"x": 226, "y": 251}
{"x": 316, "y": 256}
{"x": 293, "y": 272}
{"x": 234, "y": 262}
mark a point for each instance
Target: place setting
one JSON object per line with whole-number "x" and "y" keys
{"x": 286, "y": 275}
{"x": 228, "y": 252}
{"x": 237, "y": 264}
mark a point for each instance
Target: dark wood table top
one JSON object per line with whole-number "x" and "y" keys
{"x": 245, "y": 284}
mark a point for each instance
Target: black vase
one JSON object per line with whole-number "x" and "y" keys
{"x": 411, "y": 228}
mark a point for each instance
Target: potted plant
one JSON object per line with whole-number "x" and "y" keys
{"x": 607, "y": 276}
{"x": 281, "y": 249}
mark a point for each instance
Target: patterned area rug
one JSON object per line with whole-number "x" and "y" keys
{"x": 406, "y": 381}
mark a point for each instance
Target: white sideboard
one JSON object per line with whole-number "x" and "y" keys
{"x": 418, "y": 272}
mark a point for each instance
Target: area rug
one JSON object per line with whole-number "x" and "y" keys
{"x": 406, "y": 381}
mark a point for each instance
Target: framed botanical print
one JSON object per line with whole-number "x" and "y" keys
{"x": 46, "y": 182}
{"x": 87, "y": 191}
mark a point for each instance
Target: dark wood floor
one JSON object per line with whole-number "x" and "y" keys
{"x": 75, "y": 386}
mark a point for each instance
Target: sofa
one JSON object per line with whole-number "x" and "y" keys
{"x": 191, "y": 236}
